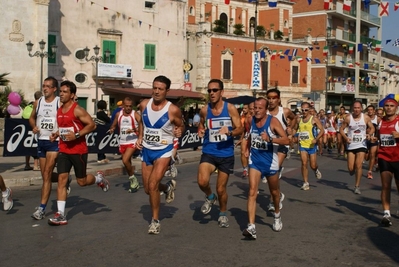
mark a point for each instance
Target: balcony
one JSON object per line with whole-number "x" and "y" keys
{"x": 368, "y": 89}
{"x": 367, "y": 17}
{"x": 339, "y": 9}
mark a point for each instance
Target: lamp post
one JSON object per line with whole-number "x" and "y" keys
{"x": 96, "y": 58}
{"x": 42, "y": 54}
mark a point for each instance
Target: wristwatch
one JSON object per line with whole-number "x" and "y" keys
{"x": 77, "y": 135}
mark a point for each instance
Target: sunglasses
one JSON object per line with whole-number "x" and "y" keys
{"x": 213, "y": 90}
{"x": 305, "y": 110}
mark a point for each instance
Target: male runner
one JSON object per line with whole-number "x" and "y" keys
{"x": 372, "y": 146}
{"x": 244, "y": 160}
{"x": 338, "y": 122}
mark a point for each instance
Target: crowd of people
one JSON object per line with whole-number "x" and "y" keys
{"x": 267, "y": 134}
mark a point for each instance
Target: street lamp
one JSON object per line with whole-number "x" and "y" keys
{"x": 42, "y": 54}
{"x": 96, "y": 58}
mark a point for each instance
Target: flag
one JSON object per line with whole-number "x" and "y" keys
{"x": 287, "y": 52}
{"x": 377, "y": 45}
{"x": 350, "y": 51}
{"x": 310, "y": 2}
{"x": 395, "y": 6}
{"x": 317, "y": 61}
{"x": 391, "y": 65}
{"x": 227, "y": 2}
{"x": 273, "y": 56}
{"x": 366, "y": 4}
{"x": 308, "y": 59}
{"x": 347, "y": 5}
{"x": 357, "y": 63}
{"x": 327, "y": 4}
{"x": 388, "y": 41}
{"x": 366, "y": 66}
{"x": 369, "y": 45}
{"x": 359, "y": 47}
{"x": 310, "y": 48}
{"x": 272, "y": 3}
{"x": 304, "y": 49}
{"x": 262, "y": 53}
{"x": 299, "y": 59}
{"x": 396, "y": 43}
{"x": 325, "y": 51}
{"x": 294, "y": 52}
{"x": 383, "y": 9}
{"x": 289, "y": 58}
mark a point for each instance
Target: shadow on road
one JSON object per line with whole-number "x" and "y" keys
{"x": 367, "y": 212}
{"x": 385, "y": 240}
{"x": 165, "y": 211}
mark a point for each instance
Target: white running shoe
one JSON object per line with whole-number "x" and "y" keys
{"x": 277, "y": 224}
{"x": 7, "y": 200}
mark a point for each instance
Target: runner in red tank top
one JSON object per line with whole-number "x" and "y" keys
{"x": 388, "y": 156}
{"x": 73, "y": 124}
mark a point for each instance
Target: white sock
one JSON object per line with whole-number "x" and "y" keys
{"x": 276, "y": 215}
{"x": 4, "y": 193}
{"x": 61, "y": 206}
{"x": 387, "y": 212}
{"x": 98, "y": 179}
{"x": 251, "y": 226}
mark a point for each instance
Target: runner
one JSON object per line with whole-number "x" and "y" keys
{"x": 266, "y": 135}
{"x": 331, "y": 132}
{"x": 372, "y": 146}
{"x": 338, "y": 120}
{"x": 388, "y": 156}
{"x": 308, "y": 138}
{"x": 219, "y": 123}
{"x": 322, "y": 142}
{"x": 6, "y": 195}
{"x": 161, "y": 121}
{"x": 128, "y": 122}
{"x": 357, "y": 123}
{"x": 244, "y": 160}
{"x": 73, "y": 124}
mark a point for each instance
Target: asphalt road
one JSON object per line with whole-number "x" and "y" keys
{"x": 325, "y": 226}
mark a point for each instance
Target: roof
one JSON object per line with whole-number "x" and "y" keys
{"x": 172, "y": 94}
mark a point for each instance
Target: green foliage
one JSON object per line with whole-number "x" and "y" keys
{"x": 4, "y": 92}
{"x": 278, "y": 35}
{"x": 220, "y": 26}
{"x": 238, "y": 29}
{"x": 188, "y": 102}
{"x": 260, "y": 31}
{"x": 4, "y": 81}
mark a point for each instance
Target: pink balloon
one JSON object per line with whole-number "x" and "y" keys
{"x": 14, "y": 98}
{"x": 13, "y": 110}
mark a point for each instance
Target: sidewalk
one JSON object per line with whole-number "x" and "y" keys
{"x": 12, "y": 168}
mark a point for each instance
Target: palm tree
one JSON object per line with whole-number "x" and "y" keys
{"x": 4, "y": 81}
{"x": 4, "y": 95}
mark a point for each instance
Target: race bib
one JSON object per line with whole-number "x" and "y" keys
{"x": 303, "y": 136}
{"x": 387, "y": 140}
{"x": 258, "y": 143}
{"x": 153, "y": 136}
{"x": 47, "y": 123}
{"x": 357, "y": 138}
{"x": 64, "y": 131}
{"x": 215, "y": 136}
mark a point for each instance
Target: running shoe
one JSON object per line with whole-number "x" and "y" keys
{"x": 134, "y": 184}
{"x": 264, "y": 180}
{"x": 7, "y": 199}
{"x": 58, "y": 219}
{"x": 39, "y": 214}
{"x": 104, "y": 184}
{"x": 288, "y": 156}
{"x": 179, "y": 160}
{"x": 369, "y": 175}
{"x": 305, "y": 186}
{"x": 170, "y": 194}
{"x": 317, "y": 173}
{"x": 244, "y": 173}
{"x": 250, "y": 233}
{"x": 68, "y": 186}
{"x": 173, "y": 170}
{"x": 167, "y": 173}
{"x": 386, "y": 220}
{"x": 223, "y": 221}
{"x": 207, "y": 206}
{"x": 357, "y": 190}
{"x": 270, "y": 207}
{"x": 280, "y": 172}
{"x": 277, "y": 224}
{"x": 154, "y": 228}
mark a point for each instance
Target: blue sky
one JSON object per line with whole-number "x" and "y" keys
{"x": 389, "y": 27}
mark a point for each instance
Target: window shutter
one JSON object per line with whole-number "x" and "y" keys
{"x": 52, "y": 40}
{"x": 294, "y": 78}
{"x": 226, "y": 69}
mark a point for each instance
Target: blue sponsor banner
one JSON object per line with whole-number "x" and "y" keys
{"x": 19, "y": 140}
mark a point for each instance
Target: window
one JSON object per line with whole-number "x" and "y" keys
{"x": 52, "y": 40}
{"x": 226, "y": 69}
{"x": 111, "y": 46}
{"x": 149, "y": 56}
{"x": 295, "y": 74}
{"x": 81, "y": 78}
{"x": 149, "y": 4}
{"x": 80, "y": 54}
{"x": 264, "y": 74}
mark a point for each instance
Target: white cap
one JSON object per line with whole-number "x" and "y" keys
{"x": 347, "y": 111}
{"x": 328, "y": 111}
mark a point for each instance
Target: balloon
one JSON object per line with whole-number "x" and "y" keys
{"x": 13, "y": 110}
{"x": 14, "y": 98}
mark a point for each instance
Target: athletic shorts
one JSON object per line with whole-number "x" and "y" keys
{"x": 331, "y": 133}
{"x": 357, "y": 150}
{"x": 282, "y": 149}
{"x": 370, "y": 144}
{"x": 44, "y": 146}
{"x": 225, "y": 164}
{"x": 122, "y": 148}
{"x": 65, "y": 163}
{"x": 149, "y": 156}
{"x": 310, "y": 151}
{"x": 392, "y": 167}
{"x": 265, "y": 170}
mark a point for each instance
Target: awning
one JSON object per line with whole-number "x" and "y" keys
{"x": 146, "y": 93}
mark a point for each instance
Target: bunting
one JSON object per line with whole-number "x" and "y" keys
{"x": 287, "y": 52}
{"x": 359, "y": 47}
{"x": 388, "y": 41}
{"x": 377, "y": 46}
{"x": 317, "y": 61}
{"x": 383, "y": 9}
{"x": 294, "y": 52}
{"x": 299, "y": 59}
{"x": 272, "y": 3}
{"x": 309, "y": 2}
{"x": 396, "y": 43}
{"x": 327, "y": 4}
{"x": 227, "y": 2}
{"x": 366, "y": 4}
{"x": 347, "y": 5}
{"x": 366, "y": 66}
{"x": 325, "y": 51}
{"x": 308, "y": 59}
{"x": 105, "y": 8}
{"x": 396, "y": 6}
{"x": 351, "y": 46}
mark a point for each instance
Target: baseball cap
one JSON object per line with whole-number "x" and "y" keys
{"x": 347, "y": 111}
{"x": 120, "y": 103}
{"x": 329, "y": 112}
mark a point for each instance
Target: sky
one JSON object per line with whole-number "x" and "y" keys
{"x": 389, "y": 27}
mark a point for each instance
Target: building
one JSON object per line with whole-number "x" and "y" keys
{"x": 340, "y": 38}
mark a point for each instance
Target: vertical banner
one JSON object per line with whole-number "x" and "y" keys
{"x": 256, "y": 81}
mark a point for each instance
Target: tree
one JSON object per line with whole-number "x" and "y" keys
{"x": 238, "y": 29}
{"x": 278, "y": 35}
{"x": 4, "y": 81}
{"x": 220, "y": 26}
{"x": 4, "y": 95}
{"x": 260, "y": 31}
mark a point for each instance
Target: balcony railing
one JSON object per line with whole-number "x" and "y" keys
{"x": 368, "y": 89}
{"x": 349, "y": 36}
{"x": 370, "y": 18}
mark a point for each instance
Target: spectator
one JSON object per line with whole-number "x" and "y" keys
{"x": 103, "y": 119}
